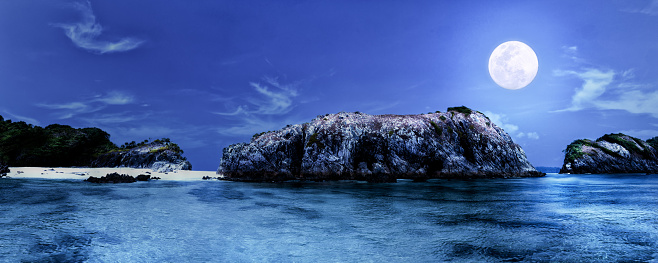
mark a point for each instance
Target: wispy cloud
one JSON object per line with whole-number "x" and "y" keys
{"x": 273, "y": 98}
{"x": 642, "y": 134}
{"x": 611, "y": 90}
{"x": 650, "y": 9}
{"x": 114, "y": 98}
{"x": 70, "y": 109}
{"x": 594, "y": 85}
{"x": 266, "y": 108}
{"x": 503, "y": 121}
{"x": 529, "y": 135}
{"x": 20, "y": 118}
{"x": 85, "y": 34}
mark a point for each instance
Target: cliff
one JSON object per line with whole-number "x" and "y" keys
{"x": 459, "y": 143}
{"x": 159, "y": 155}
{"x": 612, "y": 153}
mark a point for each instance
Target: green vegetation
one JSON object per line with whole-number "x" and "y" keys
{"x": 314, "y": 140}
{"x": 631, "y": 146}
{"x": 443, "y": 118}
{"x": 461, "y": 109}
{"x": 653, "y": 142}
{"x": 168, "y": 145}
{"x": 575, "y": 149}
{"x": 437, "y": 129}
{"x": 390, "y": 133}
{"x": 23, "y": 144}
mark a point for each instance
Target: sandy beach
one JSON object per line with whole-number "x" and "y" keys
{"x": 84, "y": 173}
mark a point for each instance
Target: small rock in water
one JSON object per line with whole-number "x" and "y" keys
{"x": 143, "y": 177}
{"x": 112, "y": 178}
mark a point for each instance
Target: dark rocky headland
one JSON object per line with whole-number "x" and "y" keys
{"x": 27, "y": 145}
{"x": 160, "y": 155}
{"x": 612, "y": 153}
{"x": 460, "y": 143}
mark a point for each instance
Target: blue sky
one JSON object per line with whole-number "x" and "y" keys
{"x": 212, "y": 73}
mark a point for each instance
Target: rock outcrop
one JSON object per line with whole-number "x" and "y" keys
{"x": 459, "y": 143}
{"x": 612, "y": 153}
{"x": 4, "y": 170}
{"x": 161, "y": 156}
{"x": 113, "y": 178}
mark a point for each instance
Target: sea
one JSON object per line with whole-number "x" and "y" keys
{"x": 557, "y": 218}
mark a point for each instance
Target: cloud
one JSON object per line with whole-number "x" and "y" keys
{"x": 570, "y": 49}
{"x": 29, "y": 120}
{"x": 651, "y": 9}
{"x": 85, "y": 33}
{"x": 529, "y": 135}
{"x": 97, "y": 103}
{"x": 273, "y": 98}
{"x": 610, "y": 90}
{"x": 115, "y": 98}
{"x": 266, "y": 108}
{"x": 642, "y": 134}
{"x": 501, "y": 121}
{"x": 594, "y": 85}
{"x": 114, "y": 118}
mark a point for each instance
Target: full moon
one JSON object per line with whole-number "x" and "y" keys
{"x": 513, "y": 65}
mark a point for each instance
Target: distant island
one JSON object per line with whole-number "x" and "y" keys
{"x": 26, "y": 145}
{"x": 459, "y": 143}
{"x": 611, "y": 153}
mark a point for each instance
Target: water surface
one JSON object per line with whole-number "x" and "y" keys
{"x": 590, "y": 218}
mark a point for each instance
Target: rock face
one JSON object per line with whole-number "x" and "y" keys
{"x": 379, "y": 148}
{"x": 159, "y": 156}
{"x": 4, "y": 170}
{"x": 612, "y": 153}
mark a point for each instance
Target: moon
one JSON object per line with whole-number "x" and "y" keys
{"x": 513, "y": 65}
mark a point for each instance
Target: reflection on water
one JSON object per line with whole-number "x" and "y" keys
{"x": 589, "y": 218}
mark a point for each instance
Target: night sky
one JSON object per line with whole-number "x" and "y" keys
{"x": 212, "y": 73}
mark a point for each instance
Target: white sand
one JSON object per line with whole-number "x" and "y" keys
{"x": 84, "y": 173}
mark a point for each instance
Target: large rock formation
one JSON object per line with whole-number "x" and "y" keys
{"x": 161, "y": 156}
{"x": 612, "y": 153}
{"x": 379, "y": 148}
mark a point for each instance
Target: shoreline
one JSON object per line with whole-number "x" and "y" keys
{"x": 85, "y": 172}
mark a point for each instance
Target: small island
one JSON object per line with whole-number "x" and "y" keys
{"x": 459, "y": 143}
{"x": 56, "y": 145}
{"x": 611, "y": 153}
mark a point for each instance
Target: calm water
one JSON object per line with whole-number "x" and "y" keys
{"x": 556, "y": 218}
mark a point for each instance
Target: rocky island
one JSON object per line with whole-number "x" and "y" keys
{"x": 460, "y": 143}
{"x": 611, "y": 153}
{"x": 56, "y": 145}
{"x": 161, "y": 155}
